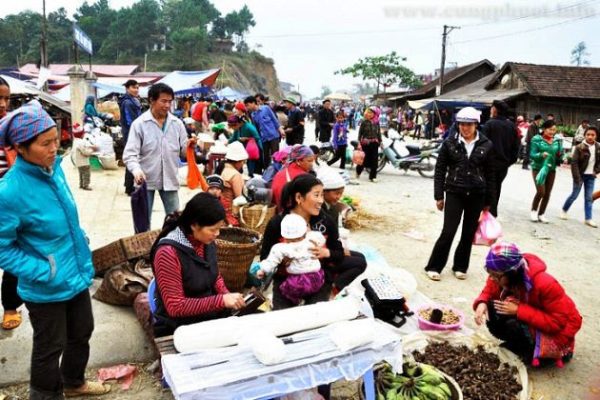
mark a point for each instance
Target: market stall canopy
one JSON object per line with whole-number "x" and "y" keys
{"x": 18, "y": 87}
{"x": 338, "y": 96}
{"x": 230, "y": 94}
{"x": 188, "y": 82}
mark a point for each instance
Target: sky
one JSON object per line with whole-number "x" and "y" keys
{"x": 310, "y": 39}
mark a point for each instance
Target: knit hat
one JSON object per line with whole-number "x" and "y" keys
{"x": 293, "y": 226}
{"x": 330, "y": 178}
{"x": 24, "y": 123}
{"x": 468, "y": 114}
{"x": 214, "y": 181}
{"x": 236, "y": 152}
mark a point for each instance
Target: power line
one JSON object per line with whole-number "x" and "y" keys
{"x": 525, "y": 31}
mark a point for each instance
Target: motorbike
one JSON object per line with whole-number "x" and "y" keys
{"x": 420, "y": 158}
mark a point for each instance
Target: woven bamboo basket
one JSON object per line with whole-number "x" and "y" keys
{"x": 107, "y": 257}
{"x": 236, "y": 248}
{"x": 139, "y": 245}
{"x": 256, "y": 217}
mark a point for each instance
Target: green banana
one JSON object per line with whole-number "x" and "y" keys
{"x": 445, "y": 388}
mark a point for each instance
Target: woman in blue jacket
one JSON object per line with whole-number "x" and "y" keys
{"x": 42, "y": 244}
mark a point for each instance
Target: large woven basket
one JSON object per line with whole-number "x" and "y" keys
{"x": 257, "y": 216}
{"x": 139, "y": 245}
{"x": 122, "y": 250}
{"x": 236, "y": 248}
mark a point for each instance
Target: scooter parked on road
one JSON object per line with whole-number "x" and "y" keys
{"x": 414, "y": 157}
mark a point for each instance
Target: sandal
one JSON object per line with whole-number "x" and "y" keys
{"x": 11, "y": 320}
{"x": 88, "y": 389}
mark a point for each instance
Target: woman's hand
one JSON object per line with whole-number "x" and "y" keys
{"x": 260, "y": 274}
{"x": 440, "y": 205}
{"x": 234, "y": 301}
{"x": 506, "y": 307}
{"x": 544, "y": 155}
{"x": 244, "y": 139}
{"x": 481, "y": 314}
{"x": 320, "y": 252}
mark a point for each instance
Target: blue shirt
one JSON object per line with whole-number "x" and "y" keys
{"x": 267, "y": 123}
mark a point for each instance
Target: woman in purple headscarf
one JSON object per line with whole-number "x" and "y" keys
{"x": 42, "y": 244}
{"x": 526, "y": 307}
{"x": 300, "y": 161}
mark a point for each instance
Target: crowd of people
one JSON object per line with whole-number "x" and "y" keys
{"x": 302, "y": 246}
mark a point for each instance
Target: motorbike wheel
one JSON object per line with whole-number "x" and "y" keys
{"x": 428, "y": 164}
{"x": 382, "y": 162}
{"x": 325, "y": 154}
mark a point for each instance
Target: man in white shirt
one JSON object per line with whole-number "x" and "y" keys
{"x": 157, "y": 140}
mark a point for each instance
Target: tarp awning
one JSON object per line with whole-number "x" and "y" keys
{"x": 18, "y": 87}
{"x": 230, "y": 94}
{"x": 188, "y": 82}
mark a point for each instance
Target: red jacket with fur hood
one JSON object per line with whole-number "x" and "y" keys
{"x": 546, "y": 308}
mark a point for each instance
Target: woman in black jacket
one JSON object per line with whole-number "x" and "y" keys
{"x": 304, "y": 196}
{"x": 464, "y": 170}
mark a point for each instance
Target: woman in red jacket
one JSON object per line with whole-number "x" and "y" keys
{"x": 300, "y": 161}
{"x": 526, "y": 307}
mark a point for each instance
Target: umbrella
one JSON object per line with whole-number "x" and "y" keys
{"x": 338, "y": 96}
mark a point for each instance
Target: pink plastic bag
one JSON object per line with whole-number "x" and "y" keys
{"x": 252, "y": 149}
{"x": 488, "y": 231}
{"x": 122, "y": 372}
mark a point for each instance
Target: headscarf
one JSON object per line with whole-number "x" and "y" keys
{"x": 90, "y": 100}
{"x": 504, "y": 257}
{"x": 24, "y": 123}
{"x": 234, "y": 119}
{"x": 298, "y": 152}
{"x": 376, "y": 112}
{"x": 241, "y": 107}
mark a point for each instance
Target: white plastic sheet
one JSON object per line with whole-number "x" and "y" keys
{"x": 235, "y": 374}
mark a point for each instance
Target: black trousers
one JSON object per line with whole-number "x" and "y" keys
{"x": 345, "y": 272}
{"x": 500, "y": 175}
{"x": 269, "y": 148}
{"x": 458, "y": 206}
{"x": 59, "y": 329}
{"x": 340, "y": 154}
{"x": 515, "y": 334}
{"x": 371, "y": 160}
{"x": 10, "y": 298}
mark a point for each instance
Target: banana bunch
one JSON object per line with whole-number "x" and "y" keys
{"x": 417, "y": 382}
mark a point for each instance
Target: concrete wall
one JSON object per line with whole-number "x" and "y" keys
{"x": 81, "y": 84}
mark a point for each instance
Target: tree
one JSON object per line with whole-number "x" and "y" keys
{"x": 143, "y": 28}
{"x": 21, "y": 38}
{"x": 579, "y": 54}
{"x": 60, "y": 36}
{"x": 325, "y": 91}
{"x": 384, "y": 70}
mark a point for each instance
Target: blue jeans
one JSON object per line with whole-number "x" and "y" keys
{"x": 170, "y": 200}
{"x": 588, "y": 188}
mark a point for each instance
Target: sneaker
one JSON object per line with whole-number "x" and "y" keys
{"x": 87, "y": 188}
{"x": 563, "y": 215}
{"x": 534, "y": 216}
{"x": 460, "y": 275}
{"x": 374, "y": 180}
{"x": 434, "y": 276}
{"x": 591, "y": 223}
{"x": 543, "y": 219}
{"x": 357, "y": 175}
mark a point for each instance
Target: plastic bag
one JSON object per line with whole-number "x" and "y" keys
{"x": 488, "y": 231}
{"x": 358, "y": 157}
{"x": 252, "y": 150}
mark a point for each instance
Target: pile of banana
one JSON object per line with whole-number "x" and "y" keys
{"x": 417, "y": 382}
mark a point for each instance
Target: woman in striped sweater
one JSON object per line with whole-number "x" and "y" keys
{"x": 189, "y": 286}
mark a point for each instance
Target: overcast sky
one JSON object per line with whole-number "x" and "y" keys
{"x": 310, "y": 39}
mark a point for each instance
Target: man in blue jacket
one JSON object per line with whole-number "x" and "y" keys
{"x": 130, "y": 108}
{"x": 268, "y": 127}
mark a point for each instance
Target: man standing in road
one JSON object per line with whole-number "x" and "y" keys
{"x": 294, "y": 132}
{"x": 157, "y": 140}
{"x": 326, "y": 121}
{"x": 503, "y": 134}
{"x": 130, "y": 108}
{"x": 268, "y": 127}
{"x": 534, "y": 129}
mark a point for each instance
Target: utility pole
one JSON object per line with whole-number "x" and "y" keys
{"x": 44, "y": 43}
{"x": 447, "y": 30}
